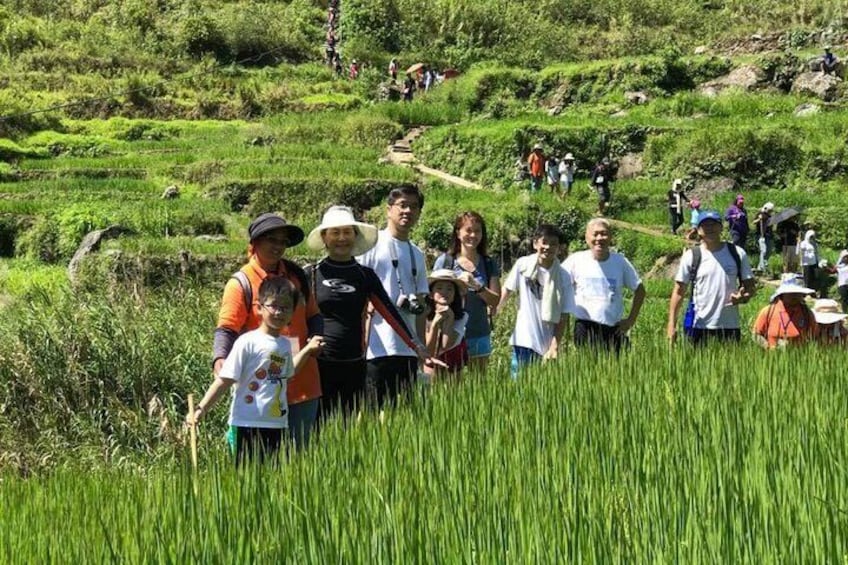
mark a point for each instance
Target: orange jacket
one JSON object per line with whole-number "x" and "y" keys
{"x": 305, "y": 385}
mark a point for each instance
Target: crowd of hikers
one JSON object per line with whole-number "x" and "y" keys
{"x": 358, "y": 328}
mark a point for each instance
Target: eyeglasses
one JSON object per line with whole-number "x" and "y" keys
{"x": 276, "y": 308}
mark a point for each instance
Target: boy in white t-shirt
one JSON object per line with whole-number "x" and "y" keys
{"x": 545, "y": 297}
{"x": 259, "y": 364}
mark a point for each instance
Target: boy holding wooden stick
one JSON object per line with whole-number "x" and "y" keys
{"x": 259, "y": 364}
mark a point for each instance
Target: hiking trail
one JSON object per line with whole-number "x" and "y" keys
{"x": 400, "y": 153}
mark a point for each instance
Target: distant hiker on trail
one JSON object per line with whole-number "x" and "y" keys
{"x": 446, "y": 322}
{"x": 469, "y": 259}
{"x": 337, "y": 64}
{"x": 721, "y": 279}
{"x": 552, "y": 171}
{"x": 737, "y": 221}
{"x": 536, "y": 165}
{"x": 260, "y": 364}
{"x": 566, "y": 173}
{"x": 344, "y": 290}
{"x": 353, "y": 72}
{"x": 522, "y": 171}
{"x": 789, "y": 230}
{"x": 695, "y": 206}
{"x": 599, "y": 277}
{"x": 676, "y": 198}
{"x": 787, "y": 320}
{"x": 841, "y": 270}
{"x": 393, "y": 69}
{"x": 829, "y": 62}
{"x": 545, "y": 298}
{"x": 408, "y": 88}
{"x": 808, "y": 250}
{"x": 600, "y": 183}
{"x": 270, "y": 236}
{"x": 765, "y": 235}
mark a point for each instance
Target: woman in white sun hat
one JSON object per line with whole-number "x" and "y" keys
{"x": 829, "y": 317}
{"x": 344, "y": 289}
{"x": 788, "y": 319}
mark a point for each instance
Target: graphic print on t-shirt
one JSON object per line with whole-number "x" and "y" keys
{"x": 598, "y": 288}
{"x": 276, "y": 370}
{"x": 338, "y": 285}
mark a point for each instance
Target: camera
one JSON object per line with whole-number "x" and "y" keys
{"x": 411, "y": 304}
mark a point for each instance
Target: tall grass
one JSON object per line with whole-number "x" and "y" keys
{"x": 655, "y": 456}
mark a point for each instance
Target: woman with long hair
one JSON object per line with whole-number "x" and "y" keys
{"x": 468, "y": 257}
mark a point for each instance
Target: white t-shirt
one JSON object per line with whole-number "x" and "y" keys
{"x": 530, "y": 331}
{"x": 841, "y": 275}
{"x": 384, "y": 341}
{"x": 566, "y": 171}
{"x": 260, "y": 364}
{"x": 809, "y": 254}
{"x": 599, "y": 286}
{"x": 717, "y": 279}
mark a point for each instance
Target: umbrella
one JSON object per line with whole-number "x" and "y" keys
{"x": 784, "y": 215}
{"x": 414, "y": 68}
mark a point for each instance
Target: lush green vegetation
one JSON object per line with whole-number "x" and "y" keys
{"x": 661, "y": 454}
{"x": 657, "y": 456}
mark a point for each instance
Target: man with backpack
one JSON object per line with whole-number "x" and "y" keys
{"x": 721, "y": 278}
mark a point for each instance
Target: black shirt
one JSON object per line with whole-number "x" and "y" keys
{"x": 343, "y": 291}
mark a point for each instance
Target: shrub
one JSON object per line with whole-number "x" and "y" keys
{"x": 40, "y": 241}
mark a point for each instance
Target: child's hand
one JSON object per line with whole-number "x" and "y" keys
{"x": 314, "y": 345}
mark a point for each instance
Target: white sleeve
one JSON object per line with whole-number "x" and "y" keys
{"x": 422, "y": 287}
{"x": 747, "y": 273}
{"x": 233, "y": 366}
{"x": 511, "y": 282}
{"x": 567, "y": 289}
{"x": 682, "y": 275}
{"x": 631, "y": 277}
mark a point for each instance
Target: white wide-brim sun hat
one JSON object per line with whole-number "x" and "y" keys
{"x": 790, "y": 285}
{"x": 339, "y": 217}
{"x": 827, "y": 311}
{"x": 447, "y": 275}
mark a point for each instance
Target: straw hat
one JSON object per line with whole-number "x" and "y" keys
{"x": 342, "y": 216}
{"x": 827, "y": 311}
{"x": 568, "y": 157}
{"x": 677, "y": 182}
{"x": 768, "y": 206}
{"x": 447, "y": 275}
{"x": 789, "y": 285}
{"x": 538, "y": 147}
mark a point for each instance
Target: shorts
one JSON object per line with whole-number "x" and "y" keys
{"x": 479, "y": 346}
{"x": 603, "y": 195}
{"x": 258, "y": 445}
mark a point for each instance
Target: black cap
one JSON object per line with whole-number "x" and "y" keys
{"x": 269, "y": 222}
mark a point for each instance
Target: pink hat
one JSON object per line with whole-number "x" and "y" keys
{"x": 695, "y": 204}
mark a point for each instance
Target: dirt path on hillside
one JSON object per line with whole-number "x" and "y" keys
{"x": 400, "y": 153}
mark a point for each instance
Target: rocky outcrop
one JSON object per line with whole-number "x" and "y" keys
{"x": 91, "y": 243}
{"x": 630, "y": 165}
{"x": 746, "y": 77}
{"x": 824, "y": 87}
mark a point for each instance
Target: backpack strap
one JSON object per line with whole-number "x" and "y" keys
{"x": 693, "y": 271}
{"x": 450, "y": 261}
{"x": 736, "y": 259}
{"x": 246, "y": 290}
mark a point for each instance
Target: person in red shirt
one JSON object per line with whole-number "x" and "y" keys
{"x": 270, "y": 236}
{"x": 536, "y": 163}
{"x": 787, "y": 320}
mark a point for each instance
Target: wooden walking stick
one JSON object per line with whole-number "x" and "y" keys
{"x": 192, "y": 432}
